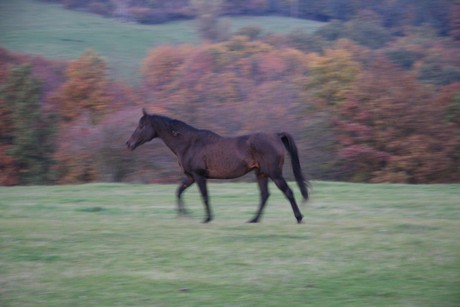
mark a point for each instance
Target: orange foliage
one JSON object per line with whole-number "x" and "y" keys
{"x": 270, "y": 66}
{"x": 163, "y": 64}
{"x": 199, "y": 83}
{"x": 394, "y": 129}
{"x": 332, "y": 75}
{"x": 8, "y": 170}
{"x": 86, "y": 89}
{"x": 74, "y": 155}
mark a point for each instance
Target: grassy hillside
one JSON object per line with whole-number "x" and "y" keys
{"x": 111, "y": 244}
{"x": 47, "y": 29}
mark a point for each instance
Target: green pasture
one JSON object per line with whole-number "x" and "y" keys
{"x": 49, "y": 30}
{"x": 123, "y": 245}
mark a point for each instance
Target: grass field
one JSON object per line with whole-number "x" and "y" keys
{"x": 47, "y": 29}
{"x": 123, "y": 245}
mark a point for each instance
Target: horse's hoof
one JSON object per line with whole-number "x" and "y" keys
{"x": 253, "y": 221}
{"x": 207, "y": 220}
{"x": 184, "y": 212}
{"x": 299, "y": 219}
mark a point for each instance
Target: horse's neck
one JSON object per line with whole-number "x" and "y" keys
{"x": 175, "y": 143}
{"x": 172, "y": 142}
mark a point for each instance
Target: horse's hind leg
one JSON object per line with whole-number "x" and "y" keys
{"x": 188, "y": 181}
{"x": 283, "y": 186}
{"x": 262, "y": 180}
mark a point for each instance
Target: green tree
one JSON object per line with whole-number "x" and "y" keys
{"x": 30, "y": 133}
{"x": 333, "y": 74}
{"x": 210, "y": 26}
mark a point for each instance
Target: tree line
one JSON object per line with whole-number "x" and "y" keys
{"x": 364, "y": 105}
{"x": 395, "y": 14}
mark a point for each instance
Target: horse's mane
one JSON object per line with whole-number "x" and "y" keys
{"x": 176, "y": 126}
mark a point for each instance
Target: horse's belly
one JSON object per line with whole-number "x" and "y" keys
{"x": 226, "y": 166}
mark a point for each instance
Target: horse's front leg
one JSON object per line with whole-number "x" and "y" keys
{"x": 188, "y": 181}
{"x": 201, "y": 181}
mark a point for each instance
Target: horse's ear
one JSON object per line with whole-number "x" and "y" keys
{"x": 144, "y": 111}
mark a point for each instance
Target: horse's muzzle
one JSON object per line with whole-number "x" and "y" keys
{"x": 131, "y": 145}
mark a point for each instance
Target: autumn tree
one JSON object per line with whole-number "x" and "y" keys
{"x": 394, "y": 129}
{"x": 332, "y": 75}
{"x": 8, "y": 174}
{"x": 162, "y": 65}
{"x": 202, "y": 81}
{"x": 27, "y": 134}
{"x": 86, "y": 89}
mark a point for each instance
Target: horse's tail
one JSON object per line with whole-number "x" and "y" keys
{"x": 291, "y": 147}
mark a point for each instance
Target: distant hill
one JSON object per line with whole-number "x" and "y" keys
{"x": 440, "y": 14}
{"x": 49, "y": 30}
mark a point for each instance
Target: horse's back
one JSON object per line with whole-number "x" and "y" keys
{"x": 265, "y": 143}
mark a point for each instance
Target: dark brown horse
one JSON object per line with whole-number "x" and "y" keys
{"x": 203, "y": 155}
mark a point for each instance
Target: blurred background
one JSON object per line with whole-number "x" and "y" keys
{"x": 369, "y": 89}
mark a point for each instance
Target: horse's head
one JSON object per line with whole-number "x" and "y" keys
{"x": 143, "y": 133}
